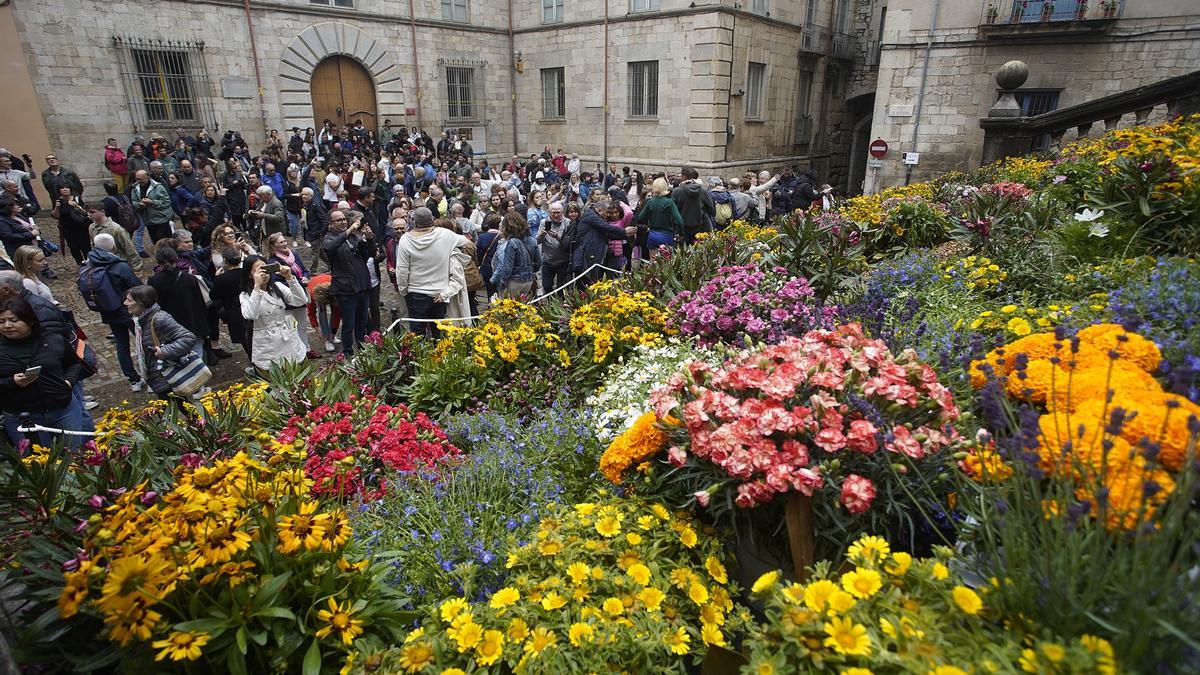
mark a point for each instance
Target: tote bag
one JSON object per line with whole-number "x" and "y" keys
{"x": 187, "y": 375}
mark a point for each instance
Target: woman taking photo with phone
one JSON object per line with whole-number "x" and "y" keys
{"x": 37, "y": 373}
{"x": 281, "y": 252}
{"x": 265, "y": 300}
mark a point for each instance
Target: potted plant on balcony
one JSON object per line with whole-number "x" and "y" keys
{"x": 1081, "y": 10}
{"x": 1109, "y": 7}
{"x": 1047, "y": 11}
{"x": 992, "y": 12}
{"x": 1019, "y": 10}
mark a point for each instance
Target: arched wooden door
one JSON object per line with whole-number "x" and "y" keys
{"x": 342, "y": 91}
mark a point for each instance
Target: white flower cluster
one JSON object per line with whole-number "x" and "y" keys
{"x": 618, "y": 403}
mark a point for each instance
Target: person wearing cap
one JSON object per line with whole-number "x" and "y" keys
{"x": 539, "y": 182}
{"x": 423, "y": 270}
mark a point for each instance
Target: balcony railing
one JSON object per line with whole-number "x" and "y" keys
{"x": 814, "y": 39}
{"x": 844, "y": 46}
{"x": 1008, "y": 12}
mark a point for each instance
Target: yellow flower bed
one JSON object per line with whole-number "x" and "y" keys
{"x": 976, "y": 273}
{"x": 869, "y": 209}
{"x": 615, "y": 582}
{"x": 616, "y": 321}
{"x": 640, "y": 442}
{"x": 507, "y": 331}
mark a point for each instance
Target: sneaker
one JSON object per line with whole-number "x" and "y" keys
{"x": 329, "y": 347}
{"x": 221, "y": 353}
{"x": 136, "y": 386}
{"x": 88, "y": 398}
{"x": 337, "y": 339}
{"x": 91, "y": 405}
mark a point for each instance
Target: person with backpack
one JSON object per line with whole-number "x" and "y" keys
{"x": 722, "y": 203}
{"x": 102, "y": 224}
{"x": 424, "y": 257}
{"x": 745, "y": 205}
{"x": 119, "y": 209}
{"x": 694, "y": 204}
{"x": 103, "y": 282}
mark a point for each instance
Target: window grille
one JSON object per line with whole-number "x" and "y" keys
{"x": 643, "y": 89}
{"x": 554, "y": 93}
{"x": 802, "y": 131}
{"x": 166, "y": 82}
{"x": 333, "y": 3}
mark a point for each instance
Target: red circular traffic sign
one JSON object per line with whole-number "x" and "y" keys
{"x": 879, "y": 148}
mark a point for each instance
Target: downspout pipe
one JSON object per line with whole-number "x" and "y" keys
{"x": 262, "y": 106}
{"x": 729, "y": 90}
{"x": 908, "y": 169}
{"x": 605, "y": 84}
{"x": 412, "y": 33}
{"x": 512, "y": 78}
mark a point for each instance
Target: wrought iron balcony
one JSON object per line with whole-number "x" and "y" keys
{"x": 1029, "y": 12}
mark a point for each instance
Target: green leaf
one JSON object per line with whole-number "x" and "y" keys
{"x": 240, "y": 637}
{"x": 213, "y": 627}
{"x": 270, "y": 590}
{"x": 312, "y": 659}
{"x": 276, "y": 612}
{"x": 236, "y": 663}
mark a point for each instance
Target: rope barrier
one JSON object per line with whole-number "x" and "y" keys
{"x": 536, "y": 300}
{"x": 32, "y": 428}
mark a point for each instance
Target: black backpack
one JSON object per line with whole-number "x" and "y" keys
{"x": 125, "y": 215}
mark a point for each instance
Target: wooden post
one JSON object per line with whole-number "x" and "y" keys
{"x": 798, "y": 516}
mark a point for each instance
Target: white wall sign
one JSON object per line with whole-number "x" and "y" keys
{"x": 912, "y": 157}
{"x": 236, "y": 86}
{"x": 874, "y": 163}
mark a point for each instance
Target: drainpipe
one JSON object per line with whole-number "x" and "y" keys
{"x": 605, "y": 84}
{"x": 262, "y": 106}
{"x": 921, "y": 91}
{"x": 512, "y": 78}
{"x": 729, "y": 89}
{"x": 412, "y": 32}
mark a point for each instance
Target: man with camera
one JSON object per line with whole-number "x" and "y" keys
{"x": 347, "y": 250}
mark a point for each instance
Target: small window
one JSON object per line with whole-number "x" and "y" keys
{"x": 754, "y": 90}
{"x": 554, "y": 93}
{"x": 552, "y": 11}
{"x": 333, "y": 3}
{"x": 461, "y": 101}
{"x": 843, "y": 11}
{"x": 802, "y": 126}
{"x": 454, "y": 10}
{"x": 643, "y": 5}
{"x": 759, "y": 7}
{"x": 643, "y": 89}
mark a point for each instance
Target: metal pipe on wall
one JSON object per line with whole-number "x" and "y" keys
{"x": 605, "y": 84}
{"x": 262, "y": 106}
{"x": 512, "y": 78}
{"x": 412, "y": 32}
{"x": 908, "y": 169}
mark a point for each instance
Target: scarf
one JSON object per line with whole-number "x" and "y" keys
{"x": 290, "y": 259}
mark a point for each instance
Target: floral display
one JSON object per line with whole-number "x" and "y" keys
{"x": 616, "y": 321}
{"x": 606, "y": 582}
{"x": 765, "y": 305}
{"x": 510, "y": 332}
{"x": 891, "y": 613}
{"x": 355, "y": 447}
{"x": 774, "y": 420}
{"x": 976, "y": 273}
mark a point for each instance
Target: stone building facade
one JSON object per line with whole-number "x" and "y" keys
{"x": 935, "y": 73}
{"x": 724, "y": 85}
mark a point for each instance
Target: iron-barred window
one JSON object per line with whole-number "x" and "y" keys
{"x": 554, "y": 93}
{"x": 463, "y": 96}
{"x": 643, "y": 89}
{"x": 166, "y": 82}
{"x": 643, "y": 5}
{"x": 335, "y": 3}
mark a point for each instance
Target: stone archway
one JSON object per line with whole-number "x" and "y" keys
{"x": 321, "y": 41}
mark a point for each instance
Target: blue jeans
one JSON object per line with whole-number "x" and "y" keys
{"x": 421, "y": 306}
{"x": 356, "y": 310}
{"x": 554, "y": 275}
{"x": 69, "y": 417}
{"x": 656, "y": 238}
{"x": 293, "y": 222}
{"x": 86, "y": 423}
{"x": 121, "y": 332}
{"x": 138, "y": 238}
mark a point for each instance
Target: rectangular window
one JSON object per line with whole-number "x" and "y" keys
{"x": 333, "y": 3}
{"x": 754, "y": 90}
{"x": 803, "y": 122}
{"x": 454, "y": 10}
{"x": 810, "y": 13}
{"x": 1037, "y": 102}
{"x": 461, "y": 102}
{"x": 643, "y": 89}
{"x": 759, "y": 7}
{"x": 843, "y": 11}
{"x": 554, "y": 93}
{"x": 643, "y": 5}
{"x": 165, "y": 83}
{"x": 552, "y": 11}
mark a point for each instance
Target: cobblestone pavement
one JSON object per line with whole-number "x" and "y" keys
{"x": 108, "y": 385}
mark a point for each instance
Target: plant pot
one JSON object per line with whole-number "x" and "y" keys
{"x": 991, "y": 18}
{"x": 1110, "y": 12}
{"x": 1081, "y": 13}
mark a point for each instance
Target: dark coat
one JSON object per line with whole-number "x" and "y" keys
{"x": 591, "y": 239}
{"x": 225, "y": 291}
{"x": 316, "y": 221}
{"x": 179, "y": 295}
{"x": 122, "y": 278}
{"x": 61, "y": 369}
{"x": 347, "y": 256}
{"x": 695, "y": 205}
{"x": 174, "y": 341}
{"x": 14, "y": 235}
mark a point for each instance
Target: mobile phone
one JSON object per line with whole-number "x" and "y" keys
{"x": 32, "y": 371}
{"x": 272, "y": 268}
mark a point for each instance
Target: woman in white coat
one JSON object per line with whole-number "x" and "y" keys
{"x": 264, "y": 301}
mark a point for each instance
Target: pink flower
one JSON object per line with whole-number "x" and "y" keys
{"x": 702, "y": 498}
{"x": 862, "y": 437}
{"x": 677, "y": 456}
{"x": 904, "y": 443}
{"x": 857, "y": 493}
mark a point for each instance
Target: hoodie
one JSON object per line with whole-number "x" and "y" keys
{"x": 122, "y": 278}
{"x": 423, "y": 261}
{"x": 694, "y": 205}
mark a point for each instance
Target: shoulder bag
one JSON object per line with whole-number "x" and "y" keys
{"x": 187, "y": 375}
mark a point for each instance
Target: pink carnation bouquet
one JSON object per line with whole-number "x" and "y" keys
{"x": 828, "y": 414}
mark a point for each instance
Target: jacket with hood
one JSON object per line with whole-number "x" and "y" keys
{"x": 662, "y": 215}
{"x": 52, "y": 390}
{"x": 122, "y": 278}
{"x": 125, "y": 248}
{"x": 423, "y": 261}
{"x": 695, "y": 206}
{"x": 591, "y": 239}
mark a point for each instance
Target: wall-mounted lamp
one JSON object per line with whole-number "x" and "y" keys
{"x": 518, "y": 63}
{"x": 739, "y": 92}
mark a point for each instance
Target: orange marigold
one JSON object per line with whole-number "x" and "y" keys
{"x": 1096, "y": 383}
{"x": 1070, "y": 443}
{"x": 985, "y": 466}
{"x": 640, "y": 442}
{"x": 1131, "y": 347}
{"x": 1163, "y": 423}
{"x": 1133, "y": 489}
{"x": 1034, "y": 383}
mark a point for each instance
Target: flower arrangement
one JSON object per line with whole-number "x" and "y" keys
{"x": 621, "y": 398}
{"x": 233, "y": 567}
{"x": 810, "y": 413}
{"x": 616, "y": 321}
{"x": 976, "y": 273}
{"x": 608, "y": 582}
{"x": 888, "y": 612}
{"x": 1015, "y": 321}
{"x": 744, "y": 231}
{"x": 508, "y": 335}
{"x": 1109, "y": 425}
{"x": 354, "y": 447}
{"x": 765, "y": 304}
{"x": 869, "y": 210}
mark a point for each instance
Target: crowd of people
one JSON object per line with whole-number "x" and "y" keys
{"x": 198, "y": 232}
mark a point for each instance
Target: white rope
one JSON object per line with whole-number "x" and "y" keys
{"x": 538, "y": 299}
{"x": 38, "y": 427}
